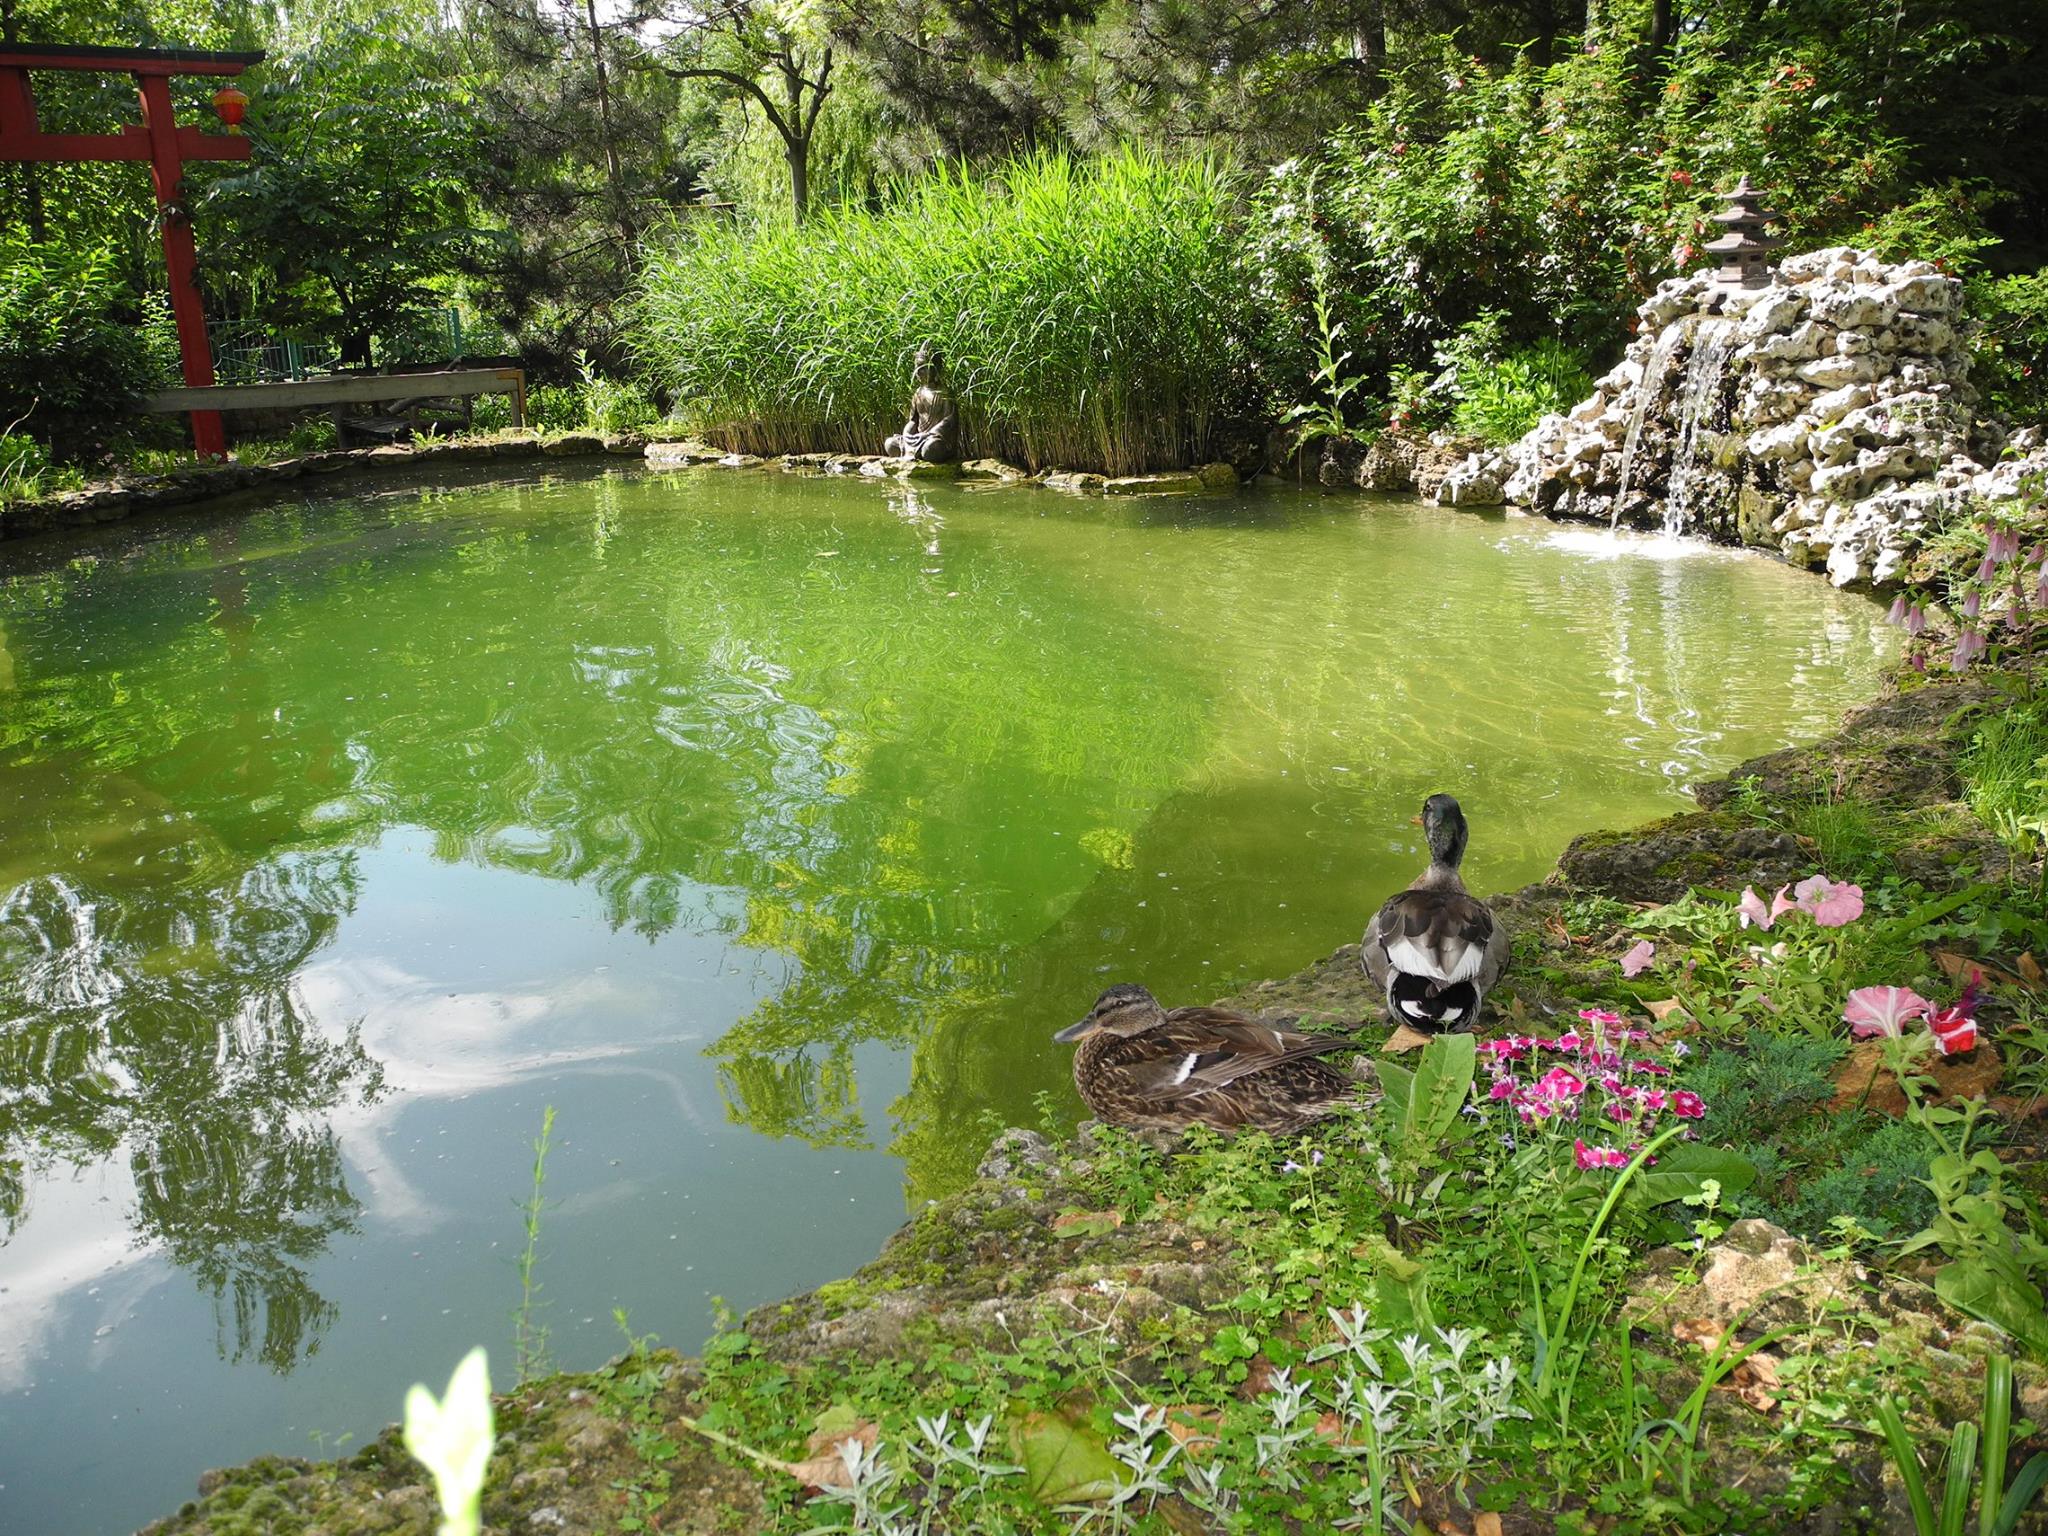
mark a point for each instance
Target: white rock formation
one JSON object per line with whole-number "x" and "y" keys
{"x": 1829, "y": 415}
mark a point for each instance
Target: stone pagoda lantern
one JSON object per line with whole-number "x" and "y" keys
{"x": 1745, "y": 248}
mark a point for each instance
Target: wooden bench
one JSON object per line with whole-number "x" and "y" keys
{"x": 397, "y": 391}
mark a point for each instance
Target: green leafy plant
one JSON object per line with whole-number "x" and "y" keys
{"x": 530, "y": 1337}
{"x": 1984, "y": 1225}
{"x": 1976, "y": 1465}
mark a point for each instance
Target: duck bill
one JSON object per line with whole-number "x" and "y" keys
{"x": 1074, "y": 1032}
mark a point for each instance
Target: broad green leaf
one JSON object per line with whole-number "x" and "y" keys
{"x": 2013, "y": 1303}
{"x": 1064, "y": 1462}
{"x": 1682, "y": 1171}
{"x": 1443, "y": 1081}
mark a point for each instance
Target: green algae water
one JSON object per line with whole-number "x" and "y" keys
{"x": 766, "y": 827}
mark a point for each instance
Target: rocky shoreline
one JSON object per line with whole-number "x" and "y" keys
{"x": 982, "y": 1265}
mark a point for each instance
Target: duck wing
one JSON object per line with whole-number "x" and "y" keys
{"x": 1200, "y": 1050}
{"x": 1446, "y": 935}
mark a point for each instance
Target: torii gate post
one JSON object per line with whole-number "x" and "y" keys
{"x": 161, "y": 142}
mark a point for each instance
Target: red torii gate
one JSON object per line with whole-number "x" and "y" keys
{"x": 158, "y": 140}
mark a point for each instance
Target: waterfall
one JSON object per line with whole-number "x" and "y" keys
{"x": 1701, "y": 387}
{"x": 1647, "y": 391}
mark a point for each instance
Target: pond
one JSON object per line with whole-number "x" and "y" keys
{"x": 765, "y": 827}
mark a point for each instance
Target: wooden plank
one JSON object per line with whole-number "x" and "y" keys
{"x": 350, "y": 389}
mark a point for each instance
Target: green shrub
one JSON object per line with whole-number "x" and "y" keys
{"x": 1498, "y": 392}
{"x": 23, "y": 463}
{"x": 71, "y": 370}
{"x": 2010, "y": 351}
{"x": 2005, "y": 774}
{"x": 1091, "y": 314}
{"x": 1770, "y": 1099}
{"x": 555, "y": 407}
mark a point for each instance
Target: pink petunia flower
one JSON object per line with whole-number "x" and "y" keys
{"x": 1883, "y": 1011}
{"x": 1688, "y": 1105}
{"x": 1832, "y": 905}
{"x": 1560, "y": 1083}
{"x": 1600, "y": 1016}
{"x": 1638, "y": 959}
{"x": 1504, "y": 1089}
{"x": 1955, "y": 1032}
{"x": 1754, "y": 912}
{"x": 1654, "y": 1068}
{"x": 1621, "y": 1111}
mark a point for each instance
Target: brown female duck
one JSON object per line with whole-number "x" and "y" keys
{"x": 1140, "y": 1065}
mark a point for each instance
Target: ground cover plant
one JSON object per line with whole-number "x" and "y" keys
{"x": 1090, "y": 314}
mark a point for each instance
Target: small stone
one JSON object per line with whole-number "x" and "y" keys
{"x": 569, "y": 444}
{"x": 1080, "y": 481}
{"x": 1173, "y": 482}
{"x": 993, "y": 469}
{"x": 681, "y": 455}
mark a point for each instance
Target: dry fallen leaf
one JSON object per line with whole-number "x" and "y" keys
{"x": 1960, "y": 968}
{"x": 1486, "y": 1523}
{"x": 1703, "y": 1331}
{"x": 1194, "y": 1428}
{"x": 1086, "y": 1223}
{"x": 1258, "y": 1379}
{"x": 825, "y": 1467}
{"x": 2030, "y": 970}
{"x": 1404, "y": 1039}
{"x": 1663, "y": 1010}
{"x": 1755, "y": 1381}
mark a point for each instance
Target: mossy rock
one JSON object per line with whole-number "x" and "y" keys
{"x": 1659, "y": 862}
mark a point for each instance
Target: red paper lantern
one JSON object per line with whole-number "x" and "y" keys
{"x": 231, "y": 106}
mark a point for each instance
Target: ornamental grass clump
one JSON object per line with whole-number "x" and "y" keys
{"x": 1090, "y": 315}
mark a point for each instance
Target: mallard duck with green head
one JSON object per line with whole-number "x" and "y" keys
{"x": 1435, "y": 950}
{"x": 1141, "y": 1065}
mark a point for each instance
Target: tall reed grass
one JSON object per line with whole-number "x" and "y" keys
{"x": 1092, "y": 315}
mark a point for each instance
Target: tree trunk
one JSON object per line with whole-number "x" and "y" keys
{"x": 1663, "y": 24}
{"x": 797, "y": 151}
{"x": 1369, "y": 43}
{"x": 604, "y": 120}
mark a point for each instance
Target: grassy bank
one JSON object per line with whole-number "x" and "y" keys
{"x": 1090, "y": 314}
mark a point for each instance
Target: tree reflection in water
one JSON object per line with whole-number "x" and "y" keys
{"x": 161, "y": 1025}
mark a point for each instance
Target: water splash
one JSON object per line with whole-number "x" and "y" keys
{"x": 1651, "y": 385}
{"x": 1697, "y": 393}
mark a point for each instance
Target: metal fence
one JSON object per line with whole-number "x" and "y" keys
{"x": 242, "y": 355}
